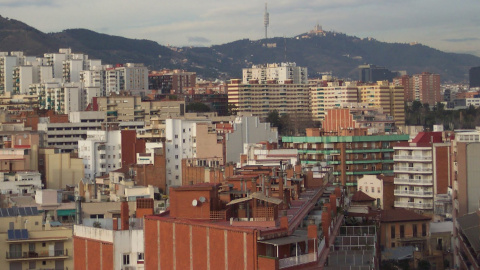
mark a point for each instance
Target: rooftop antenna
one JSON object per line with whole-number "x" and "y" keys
{"x": 266, "y": 20}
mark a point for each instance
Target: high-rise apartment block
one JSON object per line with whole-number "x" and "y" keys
{"x": 351, "y": 154}
{"x": 421, "y": 171}
{"x": 474, "y": 77}
{"x": 331, "y": 96}
{"x": 373, "y": 73}
{"x": 172, "y": 81}
{"x": 424, "y": 87}
{"x": 260, "y": 99}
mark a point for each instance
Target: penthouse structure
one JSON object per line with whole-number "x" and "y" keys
{"x": 281, "y": 73}
{"x": 124, "y": 108}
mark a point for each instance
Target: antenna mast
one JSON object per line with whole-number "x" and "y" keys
{"x": 266, "y": 20}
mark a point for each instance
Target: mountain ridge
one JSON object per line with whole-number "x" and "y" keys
{"x": 332, "y": 52}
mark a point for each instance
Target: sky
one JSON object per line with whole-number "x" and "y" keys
{"x": 452, "y": 26}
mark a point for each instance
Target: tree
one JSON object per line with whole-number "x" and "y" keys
{"x": 273, "y": 118}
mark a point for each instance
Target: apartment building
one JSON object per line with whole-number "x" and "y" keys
{"x": 126, "y": 77}
{"x": 117, "y": 243}
{"x": 358, "y": 115}
{"x": 28, "y": 243}
{"x": 424, "y": 87}
{"x": 65, "y": 135}
{"x": 467, "y": 245}
{"x": 422, "y": 171}
{"x": 401, "y": 227}
{"x": 172, "y": 81}
{"x": 258, "y": 99}
{"x": 20, "y": 182}
{"x": 388, "y": 97}
{"x": 333, "y": 95}
{"x": 352, "y": 153}
{"x": 59, "y": 170}
{"x": 121, "y": 108}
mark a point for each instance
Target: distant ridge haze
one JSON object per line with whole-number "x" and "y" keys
{"x": 335, "y": 52}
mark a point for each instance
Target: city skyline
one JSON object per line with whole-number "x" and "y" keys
{"x": 444, "y": 25}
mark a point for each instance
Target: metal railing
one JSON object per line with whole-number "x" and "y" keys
{"x": 413, "y": 192}
{"x": 406, "y": 157}
{"x": 33, "y": 254}
{"x": 412, "y": 169}
{"x": 297, "y": 260}
{"x": 414, "y": 205}
{"x": 413, "y": 181}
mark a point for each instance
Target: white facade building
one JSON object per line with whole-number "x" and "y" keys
{"x": 20, "y": 182}
{"x": 101, "y": 152}
{"x": 373, "y": 187}
{"x": 279, "y": 72}
{"x": 246, "y": 130}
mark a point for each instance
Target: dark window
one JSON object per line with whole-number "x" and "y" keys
{"x": 424, "y": 229}
{"x": 414, "y": 229}
{"x": 402, "y": 231}
{"x": 392, "y": 231}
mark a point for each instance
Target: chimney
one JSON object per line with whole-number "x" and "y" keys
{"x": 326, "y": 220}
{"x": 333, "y": 204}
{"x": 115, "y": 224}
{"x": 124, "y": 215}
{"x": 312, "y": 233}
{"x": 284, "y": 220}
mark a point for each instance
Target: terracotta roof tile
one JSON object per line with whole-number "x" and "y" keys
{"x": 360, "y": 196}
{"x": 400, "y": 215}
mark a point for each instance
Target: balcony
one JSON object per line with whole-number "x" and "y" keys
{"x": 297, "y": 260}
{"x": 412, "y": 158}
{"x": 425, "y": 206}
{"x": 413, "y": 193}
{"x": 420, "y": 182}
{"x": 32, "y": 255}
{"x": 412, "y": 169}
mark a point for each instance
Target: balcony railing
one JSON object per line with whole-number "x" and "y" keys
{"x": 19, "y": 255}
{"x": 413, "y": 181}
{"x": 413, "y": 192}
{"x": 414, "y": 205}
{"x": 297, "y": 260}
{"x": 407, "y": 157}
{"x": 413, "y": 169}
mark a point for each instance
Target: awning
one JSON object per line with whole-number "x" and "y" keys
{"x": 259, "y": 196}
{"x": 285, "y": 240}
{"x": 66, "y": 212}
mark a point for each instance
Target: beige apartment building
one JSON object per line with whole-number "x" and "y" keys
{"x": 27, "y": 243}
{"x": 331, "y": 96}
{"x": 122, "y": 108}
{"x": 59, "y": 169}
{"x": 259, "y": 99}
{"x": 388, "y": 97}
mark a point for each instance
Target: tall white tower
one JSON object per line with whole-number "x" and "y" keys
{"x": 266, "y": 20}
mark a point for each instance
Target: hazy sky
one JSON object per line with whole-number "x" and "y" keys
{"x": 447, "y": 25}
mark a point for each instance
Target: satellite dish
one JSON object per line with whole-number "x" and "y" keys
{"x": 194, "y": 202}
{"x": 202, "y": 199}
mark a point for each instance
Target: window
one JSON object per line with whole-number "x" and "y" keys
{"x": 393, "y": 245}
{"x": 176, "y": 146}
{"x": 176, "y": 136}
{"x": 176, "y": 167}
{"x": 126, "y": 259}
{"x": 176, "y": 156}
{"x": 402, "y": 231}
{"x": 183, "y": 130}
{"x": 366, "y": 188}
{"x": 424, "y": 229}
{"x": 140, "y": 256}
{"x": 392, "y": 231}
{"x": 373, "y": 190}
{"x": 414, "y": 229}
{"x": 378, "y": 190}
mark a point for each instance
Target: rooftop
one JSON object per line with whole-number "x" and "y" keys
{"x": 401, "y": 215}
